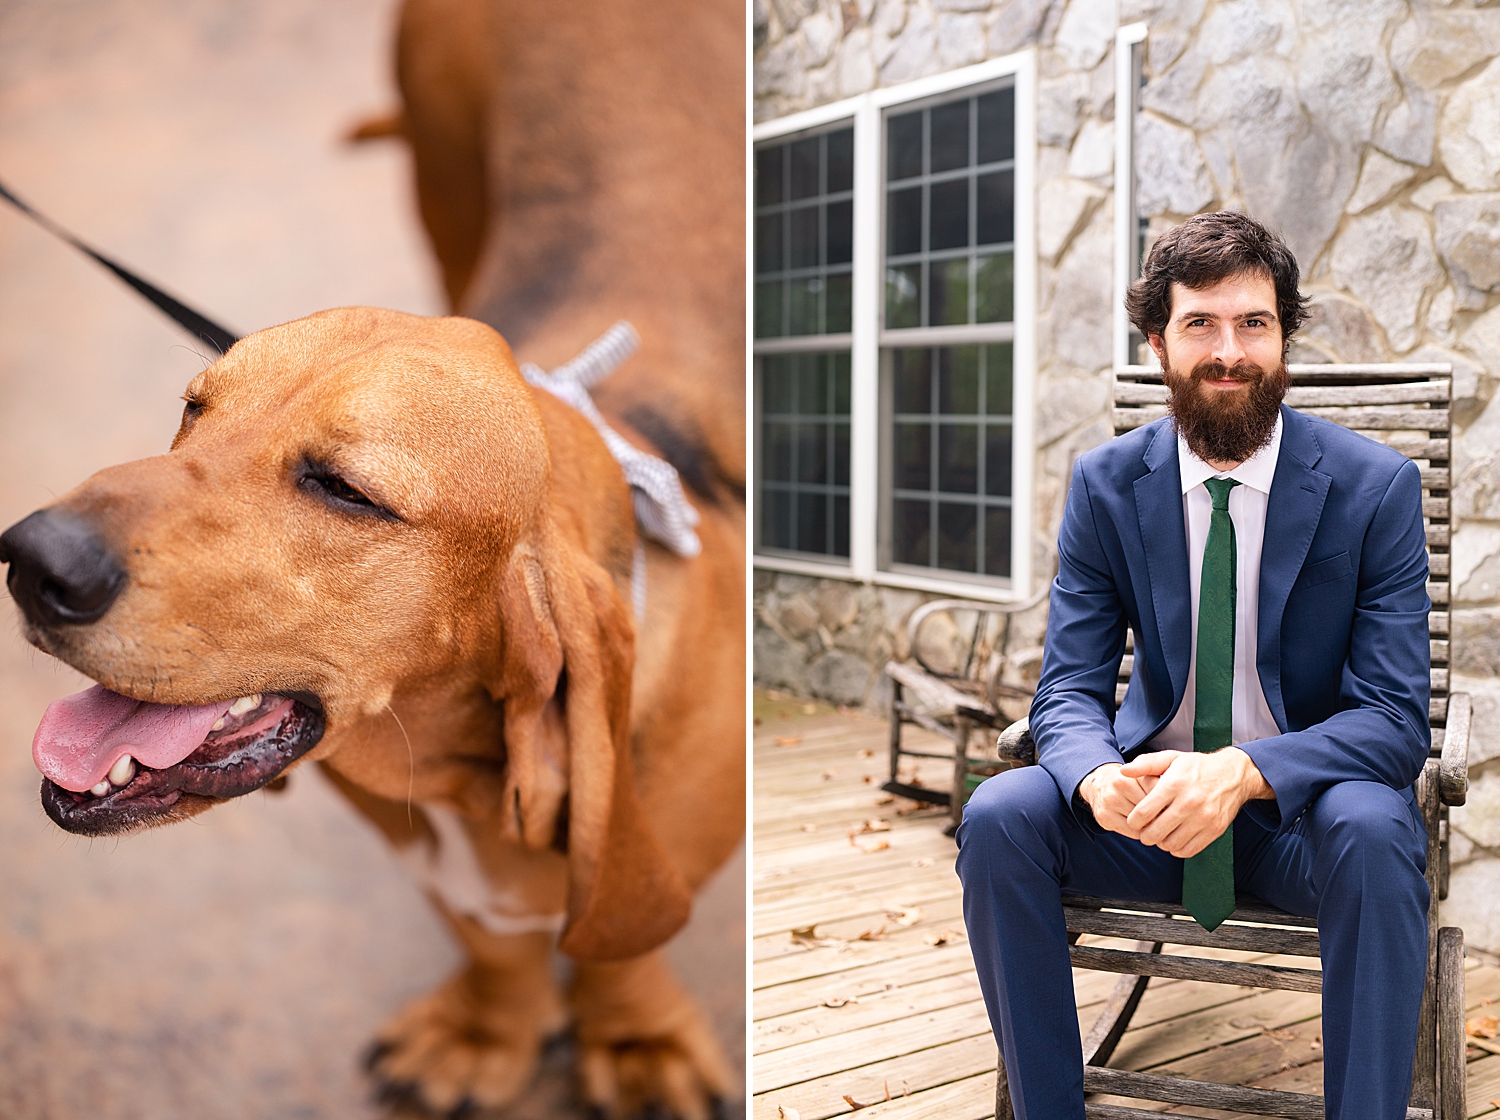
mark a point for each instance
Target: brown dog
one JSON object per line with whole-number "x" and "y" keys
{"x": 374, "y": 545}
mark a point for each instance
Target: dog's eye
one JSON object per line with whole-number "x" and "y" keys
{"x": 318, "y": 479}
{"x": 190, "y": 412}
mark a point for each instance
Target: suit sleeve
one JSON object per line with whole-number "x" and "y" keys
{"x": 1072, "y": 715}
{"x": 1381, "y": 734}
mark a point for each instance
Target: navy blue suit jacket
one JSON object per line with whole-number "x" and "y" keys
{"x": 1342, "y": 643}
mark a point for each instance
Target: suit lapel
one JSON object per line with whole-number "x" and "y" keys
{"x": 1292, "y": 512}
{"x": 1158, "y": 506}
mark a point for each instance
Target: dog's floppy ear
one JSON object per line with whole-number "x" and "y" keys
{"x": 564, "y": 679}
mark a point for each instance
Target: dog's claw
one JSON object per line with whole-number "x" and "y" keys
{"x": 373, "y": 1053}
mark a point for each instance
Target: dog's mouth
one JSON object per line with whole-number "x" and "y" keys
{"x": 112, "y": 764}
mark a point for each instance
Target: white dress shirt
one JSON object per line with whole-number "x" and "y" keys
{"x": 1252, "y": 717}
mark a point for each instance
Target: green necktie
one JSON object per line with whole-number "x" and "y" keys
{"x": 1208, "y": 877}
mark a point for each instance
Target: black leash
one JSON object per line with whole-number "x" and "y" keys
{"x": 185, "y": 317}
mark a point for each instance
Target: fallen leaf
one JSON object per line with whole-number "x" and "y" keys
{"x": 1285, "y": 1034}
{"x": 946, "y": 937}
{"x": 1486, "y": 1045}
{"x": 784, "y": 1113}
{"x": 885, "y": 799}
{"x": 922, "y": 861}
{"x": 1495, "y": 1103}
{"x": 839, "y": 1001}
{"x": 809, "y": 828}
{"x": 905, "y": 916}
{"x": 808, "y": 935}
{"x": 867, "y": 753}
{"x": 1484, "y": 1026}
{"x": 887, "y": 1084}
{"x": 809, "y": 709}
{"x": 869, "y": 846}
{"x": 788, "y": 740}
{"x": 873, "y": 934}
{"x": 772, "y": 694}
{"x": 854, "y": 1104}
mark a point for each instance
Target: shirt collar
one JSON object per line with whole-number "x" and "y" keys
{"x": 1256, "y": 472}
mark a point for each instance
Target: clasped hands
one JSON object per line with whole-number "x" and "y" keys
{"x": 1178, "y": 801}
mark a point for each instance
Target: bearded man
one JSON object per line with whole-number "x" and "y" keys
{"x": 1272, "y": 568}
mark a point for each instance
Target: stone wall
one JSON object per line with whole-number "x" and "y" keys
{"x": 1367, "y": 131}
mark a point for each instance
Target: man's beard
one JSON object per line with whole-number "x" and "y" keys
{"x": 1222, "y": 428}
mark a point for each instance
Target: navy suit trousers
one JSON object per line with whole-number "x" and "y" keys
{"x": 1354, "y": 861}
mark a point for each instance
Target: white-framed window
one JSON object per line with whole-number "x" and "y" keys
{"x": 894, "y": 274}
{"x": 1130, "y": 227}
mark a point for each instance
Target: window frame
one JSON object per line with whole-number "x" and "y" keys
{"x": 867, "y": 113}
{"x": 1130, "y": 46}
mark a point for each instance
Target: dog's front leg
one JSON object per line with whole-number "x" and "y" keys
{"x": 643, "y": 1040}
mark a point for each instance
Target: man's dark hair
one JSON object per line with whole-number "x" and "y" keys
{"x": 1204, "y": 250}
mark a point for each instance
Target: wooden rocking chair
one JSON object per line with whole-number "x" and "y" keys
{"x": 1406, "y": 405}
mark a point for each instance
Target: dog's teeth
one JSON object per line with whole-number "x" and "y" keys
{"x": 122, "y": 771}
{"x": 218, "y": 726}
{"x": 244, "y": 704}
{"x": 101, "y": 789}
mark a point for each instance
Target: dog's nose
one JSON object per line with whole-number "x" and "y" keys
{"x": 61, "y": 571}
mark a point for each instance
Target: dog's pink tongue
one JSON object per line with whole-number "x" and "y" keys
{"x": 83, "y": 735}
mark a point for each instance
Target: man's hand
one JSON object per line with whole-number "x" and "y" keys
{"x": 1191, "y": 797}
{"x": 1112, "y": 797}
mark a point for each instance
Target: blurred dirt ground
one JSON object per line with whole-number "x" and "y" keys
{"x": 234, "y": 966}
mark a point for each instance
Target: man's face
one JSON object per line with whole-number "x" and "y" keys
{"x": 1221, "y": 354}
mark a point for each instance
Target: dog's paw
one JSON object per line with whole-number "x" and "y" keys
{"x": 683, "y": 1075}
{"x": 464, "y": 1047}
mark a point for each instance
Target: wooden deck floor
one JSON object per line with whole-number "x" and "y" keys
{"x": 864, "y": 991}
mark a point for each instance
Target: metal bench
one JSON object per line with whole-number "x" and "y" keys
{"x": 1405, "y": 405}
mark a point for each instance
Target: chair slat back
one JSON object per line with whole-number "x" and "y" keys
{"x": 1402, "y": 404}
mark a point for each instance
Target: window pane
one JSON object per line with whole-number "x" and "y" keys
{"x": 804, "y": 169}
{"x": 958, "y": 379}
{"x": 911, "y": 459}
{"x": 949, "y": 223}
{"x": 994, "y": 287}
{"x": 812, "y": 522}
{"x": 997, "y": 542}
{"x": 950, "y": 136}
{"x": 911, "y": 533}
{"x": 803, "y": 225}
{"x": 812, "y": 387}
{"x": 904, "y": 146}
{"x": 948, "y": 299}
{"x": 768, "y": 321}
{"x": 840, "y": 232}
{"x": 996, "y": 214}
{"x": 768, "y": 243}
{"x": 776, "y": 519}
{"x": 839, "y": 305}
{"x": 912, "y": 371}
{"x": 778, "y": 386}
{"x": 778, "y": 452}
{"x": 958, "y": 458}
{"x": 839, "y": 367}
{"x": 840, "y": 454}
{"x": 997, "y": 372}
{"x": 997, "y": 460}
{"x": 903, "y": 304}
{"x": 903, "y": 222}
{"x": 840, "y": 161}
{"x": 802, "y": 306}
{"x": 812, "y": 447}
{"x": 997, "y": 125}
{"x": 957, "y": 533}
{"x": 768, "y": 176}
{"x": 840, "y": 525}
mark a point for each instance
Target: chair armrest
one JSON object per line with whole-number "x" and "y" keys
{"x": 927, "y": 610}
{"x": 1453, "y": 767}
{"x": 1015, "y": 744}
